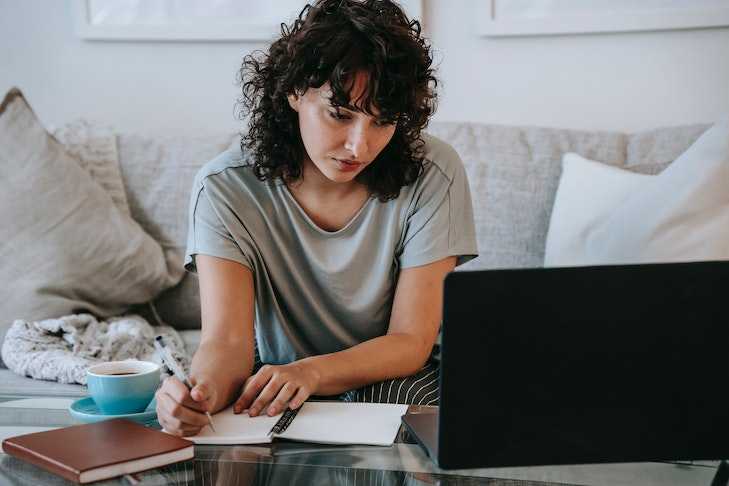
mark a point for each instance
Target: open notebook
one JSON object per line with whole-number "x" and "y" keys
{"x": 321, "y": 422}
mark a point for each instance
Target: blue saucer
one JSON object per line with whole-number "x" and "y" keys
{"x": 85, "y": 410}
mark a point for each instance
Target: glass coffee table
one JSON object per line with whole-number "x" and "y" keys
{"x": 290, "y": 463}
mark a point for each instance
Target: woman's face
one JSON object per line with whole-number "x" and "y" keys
{"x": 339, "y": 142}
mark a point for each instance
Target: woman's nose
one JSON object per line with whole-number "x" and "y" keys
{"x": 356, "y": 142}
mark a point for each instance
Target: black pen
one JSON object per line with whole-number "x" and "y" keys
{"x": 171, "y": 363}
{"x": 284, "y": 421}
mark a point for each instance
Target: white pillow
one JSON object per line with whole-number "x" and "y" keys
{"x": 606, "y": 215}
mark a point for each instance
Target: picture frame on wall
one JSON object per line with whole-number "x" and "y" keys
{"x": 182, "y": 20}
{"x": 500, "y": 18}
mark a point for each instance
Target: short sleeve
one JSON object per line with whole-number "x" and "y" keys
{"x": 440, "y": 223}
{"x": 207, "y": 234}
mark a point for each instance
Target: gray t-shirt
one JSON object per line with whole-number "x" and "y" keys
{"x": 319, "y": 291}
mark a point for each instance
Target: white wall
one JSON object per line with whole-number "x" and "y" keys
{"x": 612, "y": 82}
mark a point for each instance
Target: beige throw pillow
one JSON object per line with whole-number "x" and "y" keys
{"x": 65, "y": 245}
{"x": 93, "y": 146}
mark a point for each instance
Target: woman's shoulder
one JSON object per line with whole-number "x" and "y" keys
{"x": 232, "y": 168}
{"x": 441, "y": 158}
{"x": 232, "y": 160}
{"x": 442, "y": 167}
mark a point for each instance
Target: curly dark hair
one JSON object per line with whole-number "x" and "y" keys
{"x": 331, "y": 41}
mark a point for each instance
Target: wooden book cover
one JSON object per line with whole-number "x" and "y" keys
{"x": 91, "y": 452}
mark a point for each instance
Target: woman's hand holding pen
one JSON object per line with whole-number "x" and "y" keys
{"x": 181, "y": 411}
{"x": 277, "y": 387}
{"x": 217, "y": 374}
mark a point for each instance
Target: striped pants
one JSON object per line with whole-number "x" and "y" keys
{"x": 419, "y": 389}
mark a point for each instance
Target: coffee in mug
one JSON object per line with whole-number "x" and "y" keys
{"x": 122, "y": 387}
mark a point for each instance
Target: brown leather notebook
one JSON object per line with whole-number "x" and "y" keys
{"x": 92, "y": 452}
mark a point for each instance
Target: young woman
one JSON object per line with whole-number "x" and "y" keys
{"x": 321, "y": 246}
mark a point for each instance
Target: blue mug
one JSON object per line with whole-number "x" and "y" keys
{"x": 122, "y": 387}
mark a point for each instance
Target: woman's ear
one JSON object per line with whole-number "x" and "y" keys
{"x": 294, "y": 101}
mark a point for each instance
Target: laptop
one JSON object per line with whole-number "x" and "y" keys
{"x": 582, "y": 365}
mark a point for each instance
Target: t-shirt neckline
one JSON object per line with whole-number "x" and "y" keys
{"x": 315, "y": 226}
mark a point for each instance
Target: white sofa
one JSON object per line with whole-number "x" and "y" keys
{"x": 513, "y": 174}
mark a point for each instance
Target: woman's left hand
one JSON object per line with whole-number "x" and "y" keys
{"x": 276, "y": 387}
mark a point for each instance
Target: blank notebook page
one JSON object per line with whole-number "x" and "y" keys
{"x": 236, "y": 429}
{"x": 346, "y": 423}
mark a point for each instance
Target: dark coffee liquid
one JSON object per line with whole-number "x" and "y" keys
{"x": 121, "y": 373}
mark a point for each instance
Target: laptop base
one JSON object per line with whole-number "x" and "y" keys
{"x": 424, "y": 428}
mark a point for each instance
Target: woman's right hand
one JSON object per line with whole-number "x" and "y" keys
{"x": 181, "y": 411}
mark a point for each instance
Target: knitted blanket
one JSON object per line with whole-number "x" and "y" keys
{"x": 62, "y": 349}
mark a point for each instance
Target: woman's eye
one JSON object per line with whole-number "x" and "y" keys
{"x": 384, "y": 123}
{"x": 338, "y": 115}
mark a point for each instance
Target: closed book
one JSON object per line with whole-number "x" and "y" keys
{"x": 92, "y": 452}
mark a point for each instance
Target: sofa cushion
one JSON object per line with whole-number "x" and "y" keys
{"x": 94, "y": 148}
{"x": 12, "y": 385}
{"x": 66, "y": 246}
{"x": 158, "y": 174}
{"x": 651, "y": 151}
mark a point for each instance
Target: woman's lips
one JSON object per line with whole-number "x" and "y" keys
{"x": 347, "y": 165}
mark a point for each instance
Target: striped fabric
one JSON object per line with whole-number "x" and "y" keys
{"x": 419, "y": 389}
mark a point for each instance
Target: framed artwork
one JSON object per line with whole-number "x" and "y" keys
{"x": 553, "y": 17}
{"x": 184, "y": 20}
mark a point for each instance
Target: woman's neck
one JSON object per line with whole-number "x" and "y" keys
{"x": 330, "y": 205}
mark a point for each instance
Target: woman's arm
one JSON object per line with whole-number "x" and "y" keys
{"x": 414, "y": 323}
{"x": 413, "y": 328}
{"x": 225, "y": 354}
{"x": 224, "y": 358}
